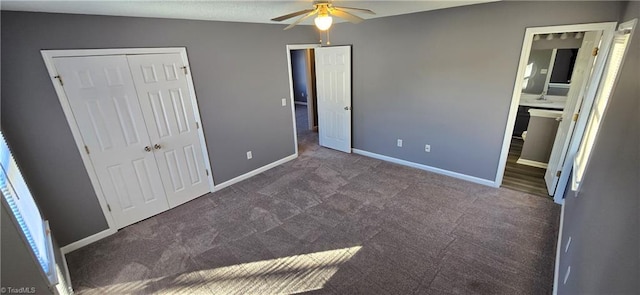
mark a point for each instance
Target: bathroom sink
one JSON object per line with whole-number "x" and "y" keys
{"x": 550, "y": 101}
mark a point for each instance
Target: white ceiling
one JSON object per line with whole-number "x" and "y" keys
{"x": 256, "y": 11}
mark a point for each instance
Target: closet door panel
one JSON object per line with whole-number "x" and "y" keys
{"x": 169, "y": 114}
{"x": 104, "y": 102}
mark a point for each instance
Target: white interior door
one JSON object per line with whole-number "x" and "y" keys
{"x": 579, "y": 80}
{"x": 105, "y": 105}
{"x": 333, "y": 88}
{"x": 165, "y": 100}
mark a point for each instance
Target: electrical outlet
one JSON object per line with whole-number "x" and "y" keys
{"x": 399, "y": 142}
{"x": 566, "y": 248}
{"x": 566, "y": 275}
{"x": 284, "y": 102}
{"x": 249, "y": 155}
{"x": 427, "y": 148}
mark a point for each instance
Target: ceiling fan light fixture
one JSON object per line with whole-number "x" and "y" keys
{"x": 323, "y": 22}
{"x": 324, "y": 12}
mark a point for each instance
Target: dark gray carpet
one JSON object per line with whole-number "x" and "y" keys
{"x": 333, "y": 223}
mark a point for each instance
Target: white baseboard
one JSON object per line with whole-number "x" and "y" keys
{"x": 67, "y": 276}
{"x": 105, "y": 233}
{"x": 253, "y": 173}
{"x": 427, "y": 168}
{"x": 86, "y": 241}
{"x": 300, "y": 102}
{"x": 532, "y": 163}
{"x": 556, "y": 272}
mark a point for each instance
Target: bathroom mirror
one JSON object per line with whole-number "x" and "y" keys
{"x": 535, "y": 75}
{"x": 550, "y": 64}
{"x": 549, "y": 71}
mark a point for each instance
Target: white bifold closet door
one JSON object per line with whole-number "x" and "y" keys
{"x": 105, "y": 106}
{"x": 163, "y": 91}
{"x": 138, "y": 125}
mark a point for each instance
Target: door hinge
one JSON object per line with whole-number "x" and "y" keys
{"x": 558, "y": 173}
{"x": 207, "y": 171}
{"x": 184, "y": 68}
{"x": 575, "y": 117}
{"x": 59, "y": 79}
{"x": 197, "y": 125}
{"x": 595, "y": 51}
{"x": 86, "y": 148}
{"x": 109, "y": 207}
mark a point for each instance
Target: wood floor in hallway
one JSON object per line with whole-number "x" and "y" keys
{"x": 523, "y": 178}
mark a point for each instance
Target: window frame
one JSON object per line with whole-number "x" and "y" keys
{"x": 583, "y": 157}
{"x": 49, "y": 273}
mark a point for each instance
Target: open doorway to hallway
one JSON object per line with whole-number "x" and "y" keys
{"x": 303, "y": 87}
{"x": 329, "y": 106}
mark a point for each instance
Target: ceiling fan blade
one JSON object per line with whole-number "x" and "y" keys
{"x": 357, "y": 9}
{"x": 290, "y": 15}
{"x": 313, "y": 11}
{"x": 346, "y": 16}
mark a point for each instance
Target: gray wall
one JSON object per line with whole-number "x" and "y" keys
{"x": 19, "y": 267}
{"x": 299, "y": 74}
{"x": 240, "y": 75}
{"x": 446, "y": 78}
{"x": 603, "y": 220}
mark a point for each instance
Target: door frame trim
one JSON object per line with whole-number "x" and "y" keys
{"x": 49, "y": 55}
{"x": 607, "y": 29}
{"x": 291, "y": 97}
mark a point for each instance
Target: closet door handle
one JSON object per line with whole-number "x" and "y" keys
{"x": 157, "y": 146}
{"x": 147, "y": 148}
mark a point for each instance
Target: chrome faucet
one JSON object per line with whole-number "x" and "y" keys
{"x": 542, "y": 96}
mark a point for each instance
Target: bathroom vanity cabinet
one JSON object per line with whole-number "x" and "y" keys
{"x": 540, "y": 137}
{"x": 531, "y": 101}
{"x": 522, "y": 121}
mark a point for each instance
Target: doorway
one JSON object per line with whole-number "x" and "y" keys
{"x": 557, "y": 67}
{"x": 320, "y": 89}
{"x": 303, "y": 84}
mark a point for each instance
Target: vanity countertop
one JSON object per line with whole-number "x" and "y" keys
{"x": 551, "y": 102}
{"x": 545, "y": 113}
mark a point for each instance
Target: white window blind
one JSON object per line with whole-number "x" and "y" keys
{"x": 607, "y": 83}
{"x": 24, "y": 209}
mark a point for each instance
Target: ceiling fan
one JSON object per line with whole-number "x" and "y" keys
{"x": 325, "y": 10}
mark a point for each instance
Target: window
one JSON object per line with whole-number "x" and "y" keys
{"x": 607, "y": 83}
{"x": 25, "y": 212}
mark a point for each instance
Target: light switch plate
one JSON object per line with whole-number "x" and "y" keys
{"x": 399, "y": 143}
{"x": 543, "y": 71}
{"x": 249, "y": 155}
{"x": 284, "y": 102}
